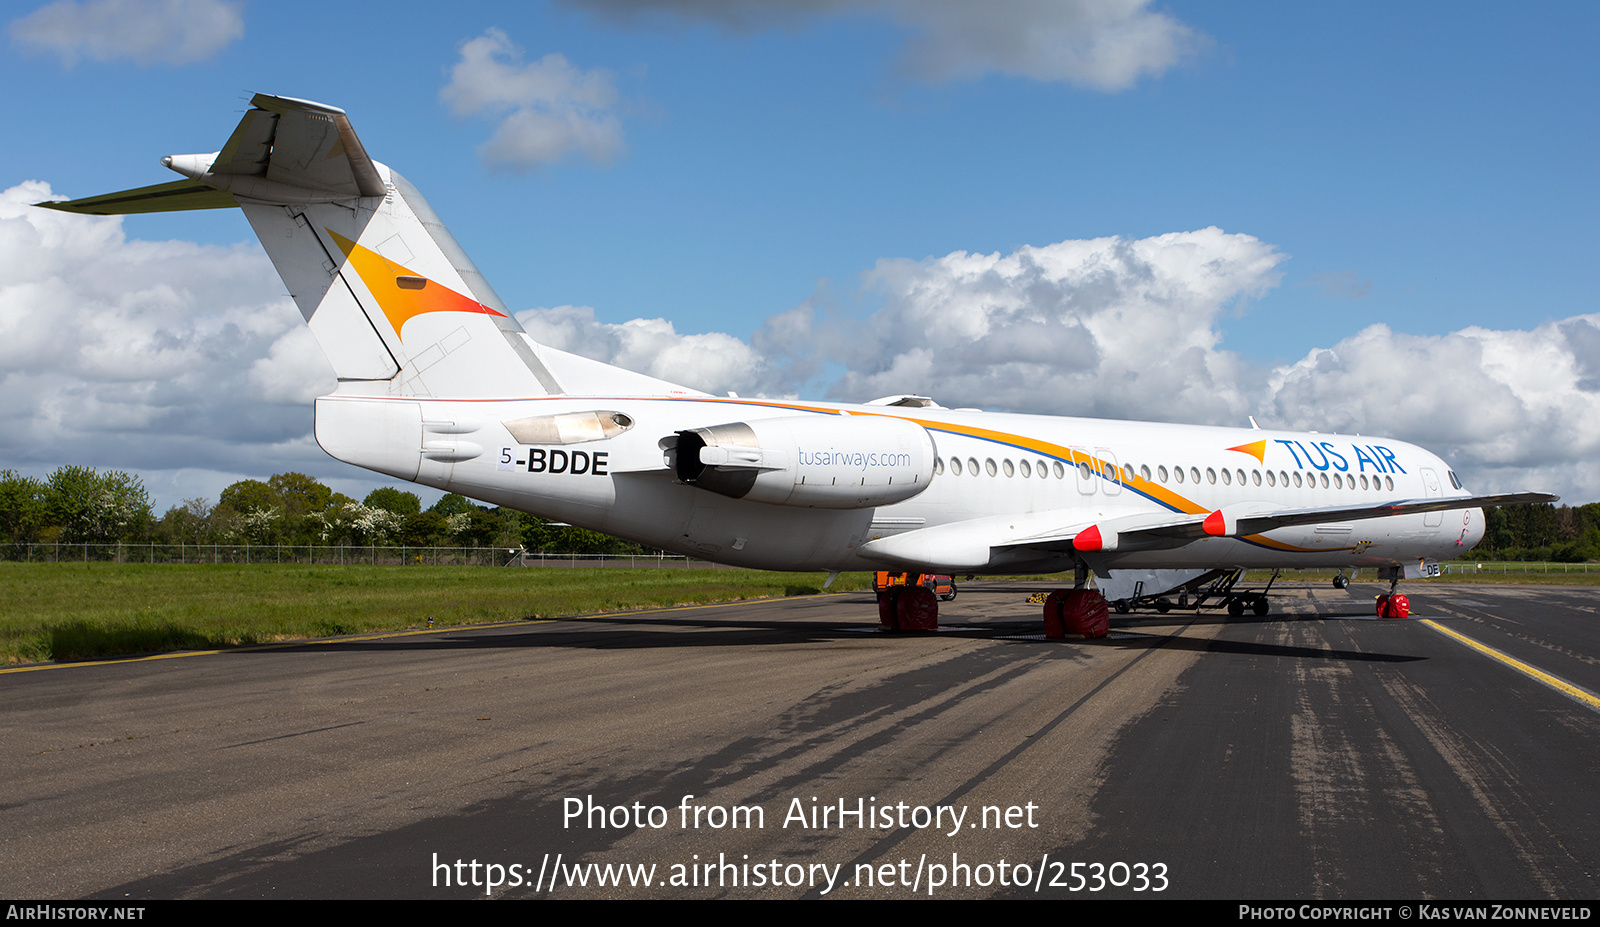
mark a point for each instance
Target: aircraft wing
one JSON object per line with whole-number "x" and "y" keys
{"x": 1155, "y": 532}
{"x": 969, "y": 545}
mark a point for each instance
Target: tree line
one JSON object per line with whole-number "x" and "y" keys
{"x": 1568, "y": 534}
{"x": 81, "y": 505}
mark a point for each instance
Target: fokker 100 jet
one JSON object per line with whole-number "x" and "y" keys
{"x": 438, "y": 384}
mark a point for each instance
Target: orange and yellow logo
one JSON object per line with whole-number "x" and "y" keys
{"x": 401, "y": 293}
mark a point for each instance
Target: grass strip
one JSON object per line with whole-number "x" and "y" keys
{"x": 65, "y": 611}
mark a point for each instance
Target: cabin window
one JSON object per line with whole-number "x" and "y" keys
{"x": 1297, "y": 479}
{"x": 1256, "y": 475}
{"x": 972, "y": 465}
{"x": 1061, "y": 470}
{"x": 1194, "y": 474}
{"x": 1271, "y": 480}
{"x": 1127, "y": 473}
{"x": 1211, "y": 476}
{"x": 1161, "y": 473}
{"x": 988, "y": 464}
{"x": 1388, "y": 481}
{"x": 1025, "y": 467}
{"x": 1227, "y": 478}
{"x": 955, "y": 465}
{"x": 1324, "y": 481}
{"x": 1144, "y": 472}
{"x": 938, "y": 466}
{"x": 1338, "y": 481}
{"x": 1008, "y": 467}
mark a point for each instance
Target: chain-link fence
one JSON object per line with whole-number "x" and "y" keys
{"x": 323, "y": 554}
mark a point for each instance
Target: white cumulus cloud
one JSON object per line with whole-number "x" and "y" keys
{"x": 1512, "y": 408}
{"x": 1070, "y": 327}
{"x": 714, "y": 362}
{"x": 145, "y": 355}
{"x": 545, "y": 109}
{"x": 141, "y": 31}
{"x": 1101, "y": 44}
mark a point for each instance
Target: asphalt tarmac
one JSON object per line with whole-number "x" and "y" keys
{"x": 784, "y": 748}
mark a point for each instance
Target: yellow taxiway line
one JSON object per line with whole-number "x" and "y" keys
{"x": 1560, "y": 685}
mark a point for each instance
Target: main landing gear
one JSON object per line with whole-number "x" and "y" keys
{"x": 910, "y": 601}
{"x": 1079, "y": 611}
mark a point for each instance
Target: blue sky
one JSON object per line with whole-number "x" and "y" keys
{"x": 1424, "y": 167}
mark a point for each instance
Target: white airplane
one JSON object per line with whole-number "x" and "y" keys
{"x": 439, "y": 385}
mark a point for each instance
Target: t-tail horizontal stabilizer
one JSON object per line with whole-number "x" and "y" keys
{"x": 395, "y": 303}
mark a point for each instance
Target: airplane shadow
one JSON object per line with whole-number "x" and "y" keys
{"x": 643, "y": 632}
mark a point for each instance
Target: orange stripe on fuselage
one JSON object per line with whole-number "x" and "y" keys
{"x": 1138, "y": 484}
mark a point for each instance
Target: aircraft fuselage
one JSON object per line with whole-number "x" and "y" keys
{"x": 1005, "y": 476}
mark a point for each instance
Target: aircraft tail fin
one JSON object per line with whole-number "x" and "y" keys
{"x": 395, "y": 303}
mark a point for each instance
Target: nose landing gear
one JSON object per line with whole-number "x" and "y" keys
{"x": 1393, "y": 604}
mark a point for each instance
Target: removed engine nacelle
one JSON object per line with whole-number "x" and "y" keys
{"x": 815, "y": 461}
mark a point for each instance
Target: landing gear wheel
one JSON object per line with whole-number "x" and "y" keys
{"x": 1076, "y": 611}
{"x": 917, "y": 609}
{"x": 1394, "y": 605}
{"x": 1341, "y": 582}
{"x": 1236, "y": 608}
